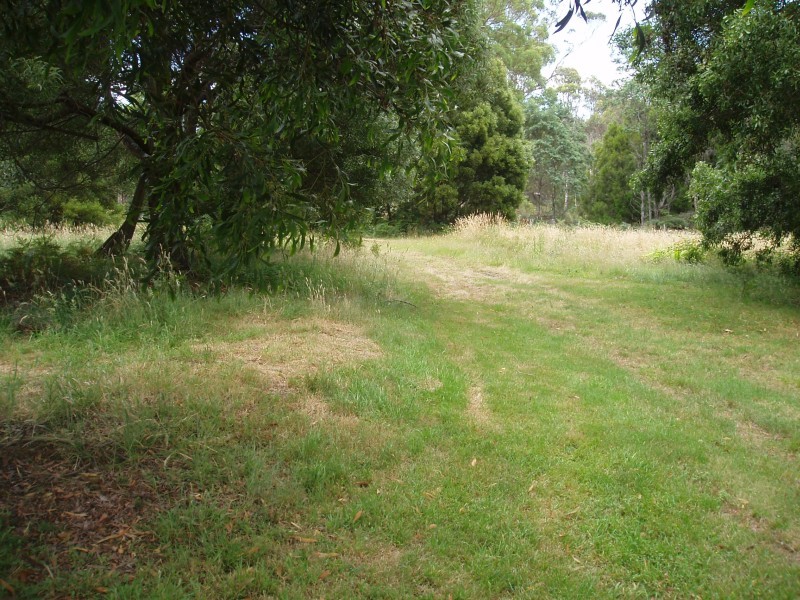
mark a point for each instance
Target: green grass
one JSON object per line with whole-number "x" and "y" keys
{"x": 496, "y": 412}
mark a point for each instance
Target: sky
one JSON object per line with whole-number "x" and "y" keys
{"x": 586, "y": 46}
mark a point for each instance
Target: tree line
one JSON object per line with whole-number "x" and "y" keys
{"x": 233, "y": 129}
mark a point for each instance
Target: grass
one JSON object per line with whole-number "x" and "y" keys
{"x": 497, "y": 412}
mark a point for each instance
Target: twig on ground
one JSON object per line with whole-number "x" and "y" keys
{"x": 403, "y": 302}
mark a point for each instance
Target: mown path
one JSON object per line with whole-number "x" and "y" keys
{"x": 654, "y": 423}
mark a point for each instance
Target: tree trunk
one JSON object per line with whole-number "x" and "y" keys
{"x": 120, "y": 240}
{"x": 642, "y": 217}
{"x": 167, "y": 245}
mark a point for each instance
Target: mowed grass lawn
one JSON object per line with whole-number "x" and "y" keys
{"x": 499, "y": 412}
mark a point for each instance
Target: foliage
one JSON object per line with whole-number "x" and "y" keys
{"x": 688, "y": 251}
{"x": 568, "y": 84}
{"x": 490, "y": 159}
{"x": 219, "y": 105}
{"x": 35, "y": 272}
{"x": 85, "y": 213}
{"x": 559, "y": 146}
{"x": 730, "y": 80}
{"x": 61, "y": 183}
{"x": 610, "y": 197}
{"x": 576, "y": 8}
{"x": 633, "y": 107}
{"x": 677, "y": 221}
{"x": 518, "y": 36}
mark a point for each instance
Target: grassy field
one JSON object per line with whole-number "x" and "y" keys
{"x": 498, "y": 412}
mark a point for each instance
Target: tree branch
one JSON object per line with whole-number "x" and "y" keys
{"x": 132, "y": 135}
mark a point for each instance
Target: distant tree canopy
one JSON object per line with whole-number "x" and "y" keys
{"x": 517, "y": 34}
{"x": 610, "y": 197}
{"x": 562, "y": 158}
{"x": 488, "y": 159}
{"x": 233, "y": 114}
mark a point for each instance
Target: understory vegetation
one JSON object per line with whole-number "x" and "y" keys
{"x": 527, "y": 411}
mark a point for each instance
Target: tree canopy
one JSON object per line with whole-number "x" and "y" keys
{"x": 611, "y": 198}
{"x": 490, "y": 160}
{"x": 232, "y": 112}
{"x": 558, "y": 144}
{"x": 727, "y": 77}
{"x": 240, "y": 127}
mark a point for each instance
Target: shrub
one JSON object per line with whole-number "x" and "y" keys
{"x": 40, "y": 265}
{"x": 85, "y": 212}
{"x": 676, "y": 222}
{"x": 688, "y": 251}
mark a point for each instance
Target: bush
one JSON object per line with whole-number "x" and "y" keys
{"x": 40, "y": 265}
{"x": 86, "y": 212}
{"x": 384, "y": 229}
{"x": 676, "y": 222}
{"x": 688, "y": 251}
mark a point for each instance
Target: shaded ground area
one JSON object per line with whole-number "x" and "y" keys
{"x": 68, "y": 514}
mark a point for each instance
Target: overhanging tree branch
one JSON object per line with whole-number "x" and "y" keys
{"x": 93, "y": 114}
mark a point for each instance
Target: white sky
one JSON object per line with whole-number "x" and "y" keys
{"x": 591, "y": 50}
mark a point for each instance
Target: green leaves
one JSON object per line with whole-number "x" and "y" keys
{"x": 250, "y": 120}
{"x": 491, "y": 161}
{"x": 611, "y": 198}
{"x": 730, "y": 82}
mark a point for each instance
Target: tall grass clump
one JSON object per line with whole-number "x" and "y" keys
{"x": 480, "y": 223}
{"x": 356, "y": 274}
{"x": 12, "y": 235}
{"x": 55, "y": 280}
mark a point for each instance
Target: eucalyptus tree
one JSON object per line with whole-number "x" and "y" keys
{"x": 561, "y": 154}
{"x": 517, "y": 31}
{"x": 232, "y": 112}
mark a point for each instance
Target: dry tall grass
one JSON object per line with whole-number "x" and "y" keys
{"x": 588, "y": 245}
{"x": 62, "y": 235}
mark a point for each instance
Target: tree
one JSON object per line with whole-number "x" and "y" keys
{"x": 631, "y": 107}
{"x": 558, "y": 144}
{"x": 518, "y": 36}
{"x": 232, "y": 111}
{"x": 490, "y": 158}
{"x": 611, "y": 198}
{"x": 569, "y": 87}
{"x": 731, "y": 81}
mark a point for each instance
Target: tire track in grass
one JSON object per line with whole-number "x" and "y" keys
{"x": 632, "y": 339}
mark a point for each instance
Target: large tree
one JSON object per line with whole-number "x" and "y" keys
{"x": 517, "y": 34}
{"x": 234, "y": 112}
{"x": 490, "y": 160}
{"x": 611, "y": 198}
{"x": 728, "y": 77}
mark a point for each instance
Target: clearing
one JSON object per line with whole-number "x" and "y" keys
{"x": 498, "y": 412}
